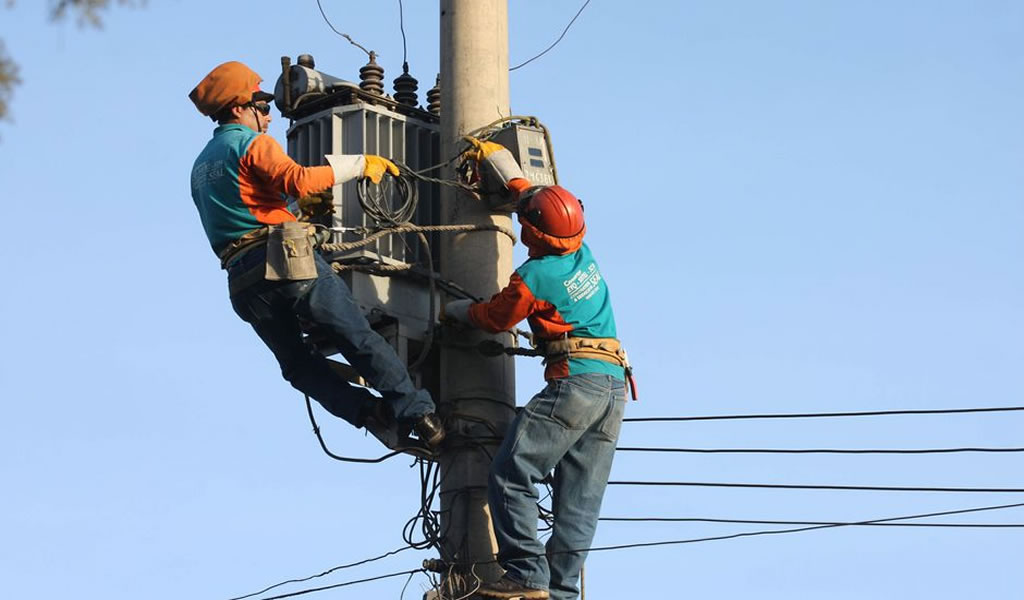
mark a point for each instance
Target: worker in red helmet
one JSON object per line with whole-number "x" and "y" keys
{"x": 571, "y": 426}
{"x": 240, "y": 184}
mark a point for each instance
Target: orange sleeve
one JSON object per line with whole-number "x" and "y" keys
{"x": 508, "y": 307}
{"x": 268, "y": 161}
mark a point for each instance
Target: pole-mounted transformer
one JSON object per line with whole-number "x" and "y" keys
{"x": 330, "y": 115}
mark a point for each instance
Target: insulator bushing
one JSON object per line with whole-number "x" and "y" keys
{"x": 306, "y": 60}
{"x": 405, "y": 88}
{"x": 434, "y": 97}
{"x": 371, "y": 76}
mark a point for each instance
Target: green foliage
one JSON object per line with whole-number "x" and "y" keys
{"x": 88, "y": 11}
{"x": 8, "y": 79}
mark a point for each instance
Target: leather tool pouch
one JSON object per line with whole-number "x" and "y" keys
{"x": 290, "y": 253}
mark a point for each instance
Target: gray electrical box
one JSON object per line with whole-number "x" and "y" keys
{"x": 528, "y": 144}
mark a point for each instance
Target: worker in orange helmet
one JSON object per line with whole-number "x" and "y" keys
{"x": 571, "y": 426}
{"x": 240, "y": 184}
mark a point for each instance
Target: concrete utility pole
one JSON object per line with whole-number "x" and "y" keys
{"x": 476, "y": 389}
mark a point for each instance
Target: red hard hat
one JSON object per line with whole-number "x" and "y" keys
{"x": 553, "y": 210}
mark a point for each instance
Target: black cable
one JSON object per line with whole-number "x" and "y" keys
{"x": 798, "y": 530}
{"x": 770, "y": 532}
{"x": 875, "y": 413}
{"x": 345, "y": 584}
{"x": 876, "y": 488}
{"x": 376, "y": 199}
{"x": 765, "y": 522}
{"x": 814, "y": 450}
{"x": 323, "y": 444}
{"x": 564, "y": 31}
{"x": 430, "y": 528}
{"x": 401, "y": 26}
{"x": 407, "y": 582}
{"x": 344, "y": 35}
{"x": 327, "y": 572}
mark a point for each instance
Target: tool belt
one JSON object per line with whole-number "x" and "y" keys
{"x": 290, "y": 254}
{"x": 606, "y": 349}
{"x": 242, "y": 245}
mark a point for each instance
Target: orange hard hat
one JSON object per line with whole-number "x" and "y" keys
{"x": 229, "y": 84}
{"x": 552, "y": 210}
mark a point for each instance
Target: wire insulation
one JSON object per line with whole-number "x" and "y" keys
{"x": 790, "y": 486}
{"x": 548, "y": 49}
{"x": 874, "y": 413}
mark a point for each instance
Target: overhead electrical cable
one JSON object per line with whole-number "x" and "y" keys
{"x": 401, "y": 26}
{"x": 672, "y": 542}
{"x": 816, "y": 450}
{"x": 798, "y": 530}
{"x": 564, "y": 31}
{"x": 773, "y": 531}
{"x": 344, "y": 584}
{"x": 327, "y": 572}
{"x": 344, "y": 35}
{"x": 770, "y": 522}
{"x": 874, "y": 413}
{"x": 791, "y": 486}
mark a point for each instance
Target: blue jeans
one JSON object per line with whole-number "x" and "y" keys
{"x": 571, "y": 426}
{"x": 274, "y": 308}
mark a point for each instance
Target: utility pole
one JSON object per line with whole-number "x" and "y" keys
{"x": 477, "y": 392}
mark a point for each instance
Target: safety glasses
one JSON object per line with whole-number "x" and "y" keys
{"x": 263, "y": 107}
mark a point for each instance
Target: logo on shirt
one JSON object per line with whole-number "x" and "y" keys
{"x": 203, "y": 175}
{"x": 583, "y": 284}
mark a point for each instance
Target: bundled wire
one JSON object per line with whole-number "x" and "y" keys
{"x": 379, "y": 201}
{"x": 429, "y": 521}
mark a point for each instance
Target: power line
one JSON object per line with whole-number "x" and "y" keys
{"x": 800, "y": 529}
{"x": 345, "y": 584}
{"x": 876, "y": 488}
{"x": 327, "y": 572}
{"x": 837, "y": 523}
{"x": 816, "y": 450}
{"x": 875, "y": 413}
{"x": 344, "y": 35}
{"x": 401, "y": 26}
{"x": 564, "y": 31}
{"x": 773, "y": 531}
{"x": 675, "y": 542}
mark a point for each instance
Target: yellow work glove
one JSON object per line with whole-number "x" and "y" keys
{"x": 496, "y": 161}
{"x": 376, "y": 166}
{"x": 481, "y": 149}
{"x": 318, "y": 204}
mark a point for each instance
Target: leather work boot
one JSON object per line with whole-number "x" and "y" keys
{"x": 430, "y": 430}
{"x": 507, "y": 589}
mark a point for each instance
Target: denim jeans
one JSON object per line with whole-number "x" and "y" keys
{"x": 571, "y": 426}
{"x": 274, "y": 308}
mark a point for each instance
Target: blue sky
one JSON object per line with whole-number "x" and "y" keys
{"x": 799, "y": 206}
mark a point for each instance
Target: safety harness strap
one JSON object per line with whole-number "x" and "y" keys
{"x": 243, "y": 244}
{"x": 606, "y": 349}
